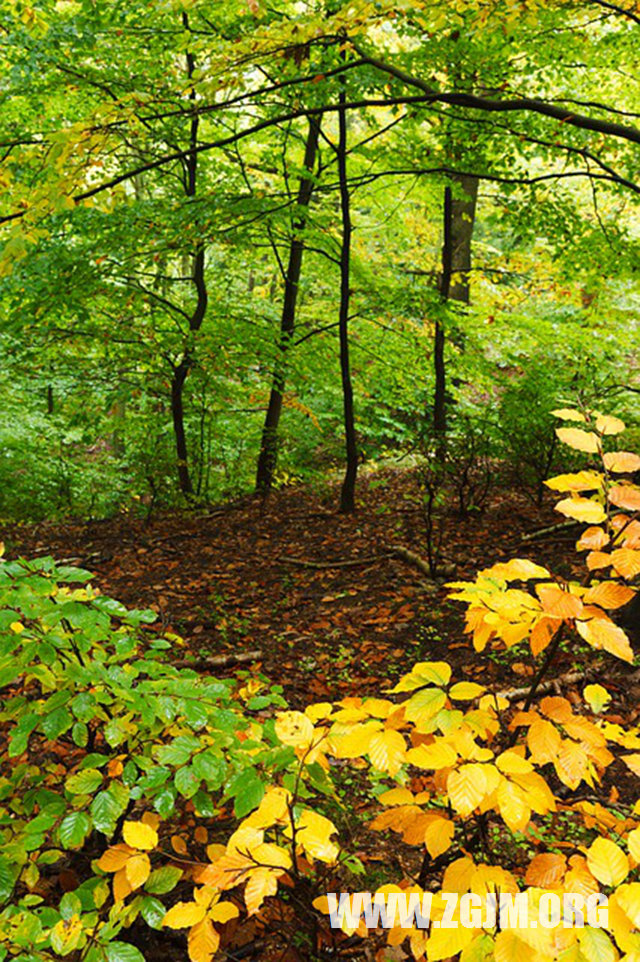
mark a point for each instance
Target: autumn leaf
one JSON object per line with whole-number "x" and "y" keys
{"x": 139, "y": 835}
{"x": 601, "y": 633}
{"x": 606, "y": 424}
{"x": 546, "y": 870}
{"x": 579, "y": 440}
{"x": 596, "y": 697}
{"x": 621, "y": 462}
{"x": 183, "y": 915}
{"x": 582, "y": 509}
{"x": 607, "y": 862}
{"x": 294, "y": 728}
{"x": 387, "y": 751}
{"x": 203, "y": 942}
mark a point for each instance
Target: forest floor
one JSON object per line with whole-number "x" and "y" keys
{"x": 226, "y": 581}
{"x": 332, "y": 613}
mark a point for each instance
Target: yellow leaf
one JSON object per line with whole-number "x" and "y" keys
{"x": 438, "y": 755}
{"x": 569, "y": 414}
{"x": 579, "y": 440}
{"x": 115, "y": 858}
{"x": 509, "y": 948}
{"x": 438, "y": 836}
{"x": 387, "y": 751}
{"x": 139, "y": 835}
{"x": 457, "y": 876}
{"x": 138, "y": 869}
{"x": 321, "y": 710}
{"x": 17, "y": 627}
{"x": 355, "y": 742}
{"x": 203, "y": 941}
{"x": 596, "y": 697}
{"x": 223, "y": 911}
{"x": 466, "y": 691}
{"x": 609, "y": 425}
{"x": 183, "y": 915}
{"x": 582, "y": 509}
{"x": 313, "y": 832}
{"x": 466, "y": 787}
{"x": 518, "y": 569}
{"x": 447, "y": 943}
{"x": 262, "y": 882}
{"x": 628, "y": 898}
{"x": 274, "y": 808}
{"x": 633, "y": 844}
{"x": 622, "y": 462}
{"x": 513, "y": 807}
{"x": 425, "y": 673}
{"x": 511, "y": 763}
{"x": 581, "y": 481}
{"x": 396, "y": 796}
{"x": 294, "y": 728}
{"x": 424, "y": 705}
{"x": 121, "y": 885}
{"x": 601, "y": 633}
{"x": 632, "y": 762}
{"x": 607, "y": 862}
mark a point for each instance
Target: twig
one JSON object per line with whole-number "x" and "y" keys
{"x": 562, "y": 526}
{"x": 569, "y": 678}
{"x": 345, "y": 563}
{"x": 218, "y": 661}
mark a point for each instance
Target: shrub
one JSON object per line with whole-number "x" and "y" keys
{"x": 181, "y": 801}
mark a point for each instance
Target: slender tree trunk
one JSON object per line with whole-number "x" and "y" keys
{"x": 183, "y": 367}
{"x": 347, "y": 495}
{"x": 463, "y": 211}
{"x": 269, "y": 444}
{"x": 439, "y": 400}
{"x": 180, "y": 373}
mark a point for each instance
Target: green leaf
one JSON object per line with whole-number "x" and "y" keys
{"x": 108, "y": 806}
{"x": 186, "y": 781}
{"x": 123, "y": 952}
{"x": 211, "y": 767}
{"x": 73, "y": 829}
{"x": 152, "y": 911}
{"x": 84, "y": 782}
{"x": 163, "y": 880}
{"x": 248, "y": 791}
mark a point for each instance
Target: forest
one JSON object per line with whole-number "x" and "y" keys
{"x": 320, "y": 481}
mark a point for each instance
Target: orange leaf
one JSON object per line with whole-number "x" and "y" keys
{"x": 601, "y": 633}
{"x": 625, "y": 496}
{"x": 115, "y": 858}
{"x": 592, "y": 539}
{"x": 546, "y": 870}
{"x": 559, "y": 603}
{"x": 626, "y": 561}
{"x": 621, "y": 462}
{"x": 609, "y": 594}
{"x": 598, "y": 559}
{"x": 559, "y": 709}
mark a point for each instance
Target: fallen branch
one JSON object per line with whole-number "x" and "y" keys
{"x": 399, "y": 552}
{"x": 445, "y": 570}
{"x": 553, "y": 684}
{"x": 562, "y": 526}
{"x": 347, "y": 563}
{"x": 218, "y": 661}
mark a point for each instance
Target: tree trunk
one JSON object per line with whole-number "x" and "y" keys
{"x": 439, "y": 400}
{"x": 180, "y": 373}
{"x": 269, "y": 443}
{"x": 463, "y": 210}
{"x": 347, "y": 495}
{"x": 182, "y": 368}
